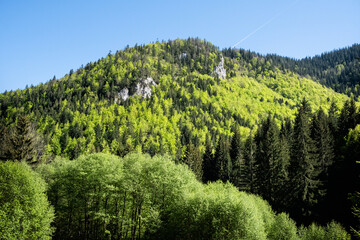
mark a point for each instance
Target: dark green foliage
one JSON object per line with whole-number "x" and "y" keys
{"x": 250, "y": 165}
{"x": 338, "y": 69}
{"x": 324, "y": 143}
{"x": 20, "y": 142}
{"x": 209, "y": 164}
{"x": 194, "y": 160}
{"x": 223, "y": 160}
{"x": 237, "y": 160}
{"x": 272, "y": 160}
{"x": 25, "y": 212}
{"x": 303, "y": 167}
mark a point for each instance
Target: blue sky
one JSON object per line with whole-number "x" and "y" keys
{"x": 40, "y": 39}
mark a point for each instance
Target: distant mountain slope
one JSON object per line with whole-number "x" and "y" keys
{"x": 160, "y": 97}
{"x": 338, "y": 69}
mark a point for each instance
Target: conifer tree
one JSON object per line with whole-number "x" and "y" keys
{"x": 324, "y": 143}
{"x": 21, "y": 142}
{"x": 222, "y": 159}
{"x": 237, "y": 159}
{"x": 250, "y": 167}
{"x": 194, "y": 160}
{"x": 209, "y": 164}
{"x": 303, "y": 172}
{"x": 272, "y": 160}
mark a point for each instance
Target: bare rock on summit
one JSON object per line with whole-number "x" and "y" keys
{"x": 220, "y": 71}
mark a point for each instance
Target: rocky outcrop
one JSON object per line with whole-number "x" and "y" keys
{"x": 124, "y": 94}
{"x": 142, "y": 89}
{"x": 183, "y": 56}
{"x": 220, "y": 71}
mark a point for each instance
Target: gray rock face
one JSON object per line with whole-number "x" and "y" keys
{"x": 124, "y": 94}
{"x": 143, "y": 88}
{"x": 220, "y": 71}
{"x": 183, "y": 55}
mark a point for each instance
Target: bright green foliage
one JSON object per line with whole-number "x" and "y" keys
{"x": 333, "y": 231}
{"x": 217, "y": 211}
{"x": 102, "y": 196}
{"x": 25, "y": 212}
{"x": 336, "y": 231}
{"x": 83, "y": 113}
{"x": 283, "y": 228}
{"x": 312, "y": 232}
{"x": 337, "y": 69}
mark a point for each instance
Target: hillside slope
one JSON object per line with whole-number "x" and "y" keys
{"x": 338, "y": 69}
{"x": 160, "y": 97}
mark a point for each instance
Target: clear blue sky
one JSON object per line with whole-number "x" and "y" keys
{"x": 40, "y": 39}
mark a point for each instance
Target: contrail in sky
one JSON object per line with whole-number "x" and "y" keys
{"x": 263, "y": 25}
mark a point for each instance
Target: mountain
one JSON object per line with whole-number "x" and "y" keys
{"x": 160, "y": 97}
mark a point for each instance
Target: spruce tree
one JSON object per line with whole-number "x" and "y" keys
{"x": 303, "y": 172}
{"x": 249, "y": 166}
{"x": 237, "y": 159}
{"x": 272, "y": 158}
{"x": 222, "y": 159}
{"x": 194, "y": 160}
{"x": 209, "y": 164}
{"x": 21, "y": 142}
{"x": 324, "y": 143}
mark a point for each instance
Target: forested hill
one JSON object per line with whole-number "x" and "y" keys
{"x": 229, "y": 115}
{"x": 338, "y": 69}
{"x": 160, "y": 97}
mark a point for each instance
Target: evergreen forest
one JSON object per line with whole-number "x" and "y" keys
{"x": 181, "y": 140}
